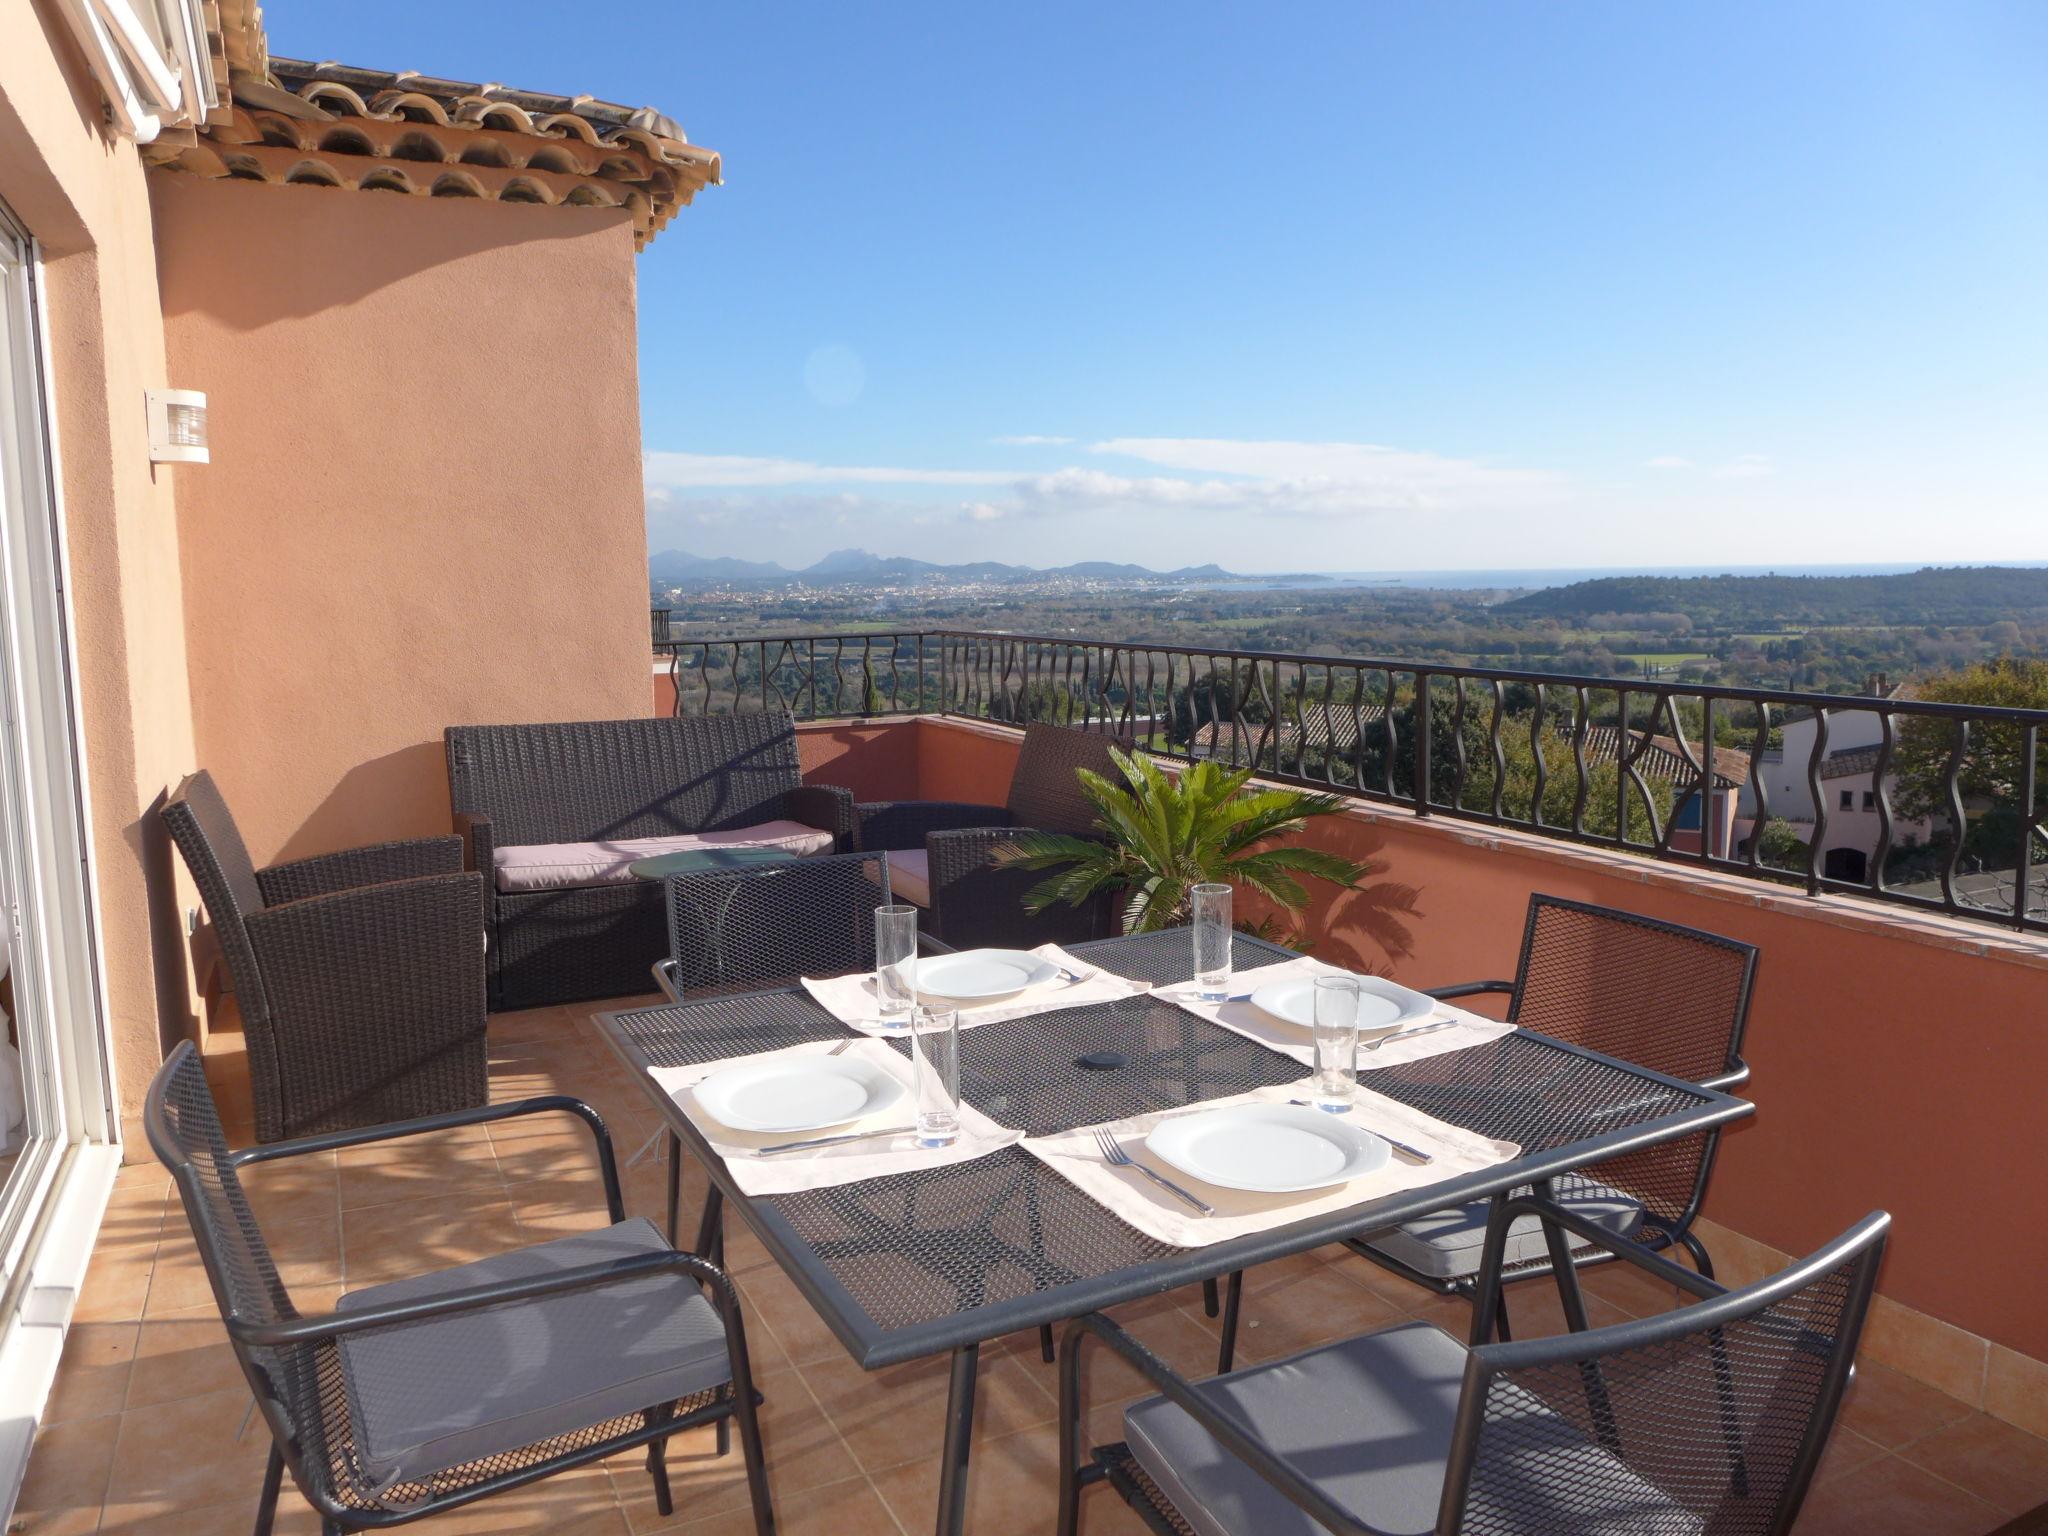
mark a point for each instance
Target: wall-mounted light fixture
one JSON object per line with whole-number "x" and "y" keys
{"x": 177, "y": 426}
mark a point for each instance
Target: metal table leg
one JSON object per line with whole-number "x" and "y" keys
{"x": 959, "y": 1439}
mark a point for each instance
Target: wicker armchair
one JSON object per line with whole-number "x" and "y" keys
{"x": 424, "y": 1394}
{"x": 610, "y": 779}
{"x": 1710, "y": 1417}
{"x": 968, "y": 901}
{"x": 359, "y": 974}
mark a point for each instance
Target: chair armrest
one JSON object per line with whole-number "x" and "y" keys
{"x": 406, "y": 859}
{"x": 483, "y": 1114}
{"x": 828, "y": 807}
{"x": 334, "y": 1325}
{"x": 884, "y": 824}
{"x": 1467, "y": 989}
{"x": 1599, "y": 1237}
{"x": 474, "y": 828}
{"x": 1237, "y": 1434}
{"x": 1733, "y": 1078}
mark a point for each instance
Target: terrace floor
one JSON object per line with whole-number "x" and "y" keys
{"x": 141, "y": 1431}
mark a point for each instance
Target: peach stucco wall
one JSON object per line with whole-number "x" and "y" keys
{"x": 424, "y": 506}
{"x": 81, "y": 191}
{"x": 1898, "y": 1060}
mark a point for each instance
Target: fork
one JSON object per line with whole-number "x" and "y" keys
{"x": 1074, "y": 977}
{"x": 1117, "y": 1157}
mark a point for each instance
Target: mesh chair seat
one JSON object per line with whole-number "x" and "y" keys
{"x": 428, "y": 1396}
{"x": 1445, "y": 1245}
{"x": 1371, "y": 1419}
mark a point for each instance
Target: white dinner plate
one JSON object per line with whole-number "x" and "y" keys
{"x": 797, "y": 1093}
{"x": 1382, "y": 1004}
{"x": 1271, "y": 1148}
{"x": 976, "y": 974}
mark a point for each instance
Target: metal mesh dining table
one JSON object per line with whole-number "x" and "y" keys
{"x": 942, "y": 1260}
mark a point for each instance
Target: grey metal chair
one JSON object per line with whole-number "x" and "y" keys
{"x": 418, "y": 1396}
{"x": 1711, "y": 1417}
{"x": 770, "y": 925}
{"x": 359, "y": 975}
{"x": 1661, "y": 995}
{"x": 945, "y": 846}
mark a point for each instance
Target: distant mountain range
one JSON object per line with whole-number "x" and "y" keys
{"x": 1935, "y": 595}
{"x": 678, "y": 568}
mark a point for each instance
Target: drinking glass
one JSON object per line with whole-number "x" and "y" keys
{"x": 895, "y": 965}
{"x": 1336, "y": 1031}
{"x": 935, "y": 1070}
{"x": 1212, "y": 942}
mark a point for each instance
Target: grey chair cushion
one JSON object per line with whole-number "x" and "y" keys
{"x": 1447, "y": 1244}
{"x": 1369, "y": 1422}
{"x": 1370, "y": 1419}
{"x": 431, "y": 1395}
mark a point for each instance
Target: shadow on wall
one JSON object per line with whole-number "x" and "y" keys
{"x": 1365, "y": 929}
{"x": 401, "y": 794}
{"x": 326, "y": 248}
{"x": 158, "y": 861}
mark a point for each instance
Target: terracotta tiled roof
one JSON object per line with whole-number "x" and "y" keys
{"x": 1661, "y": 758}
{"x": 327, "y": 124}
{"x": 1849, "y": 761}
{"x": 1339, "y": 730}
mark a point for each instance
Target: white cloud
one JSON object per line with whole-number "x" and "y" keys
{"x": 1030, "y": 440}
{"x": 1325, "y": 479}
{"x": 1749, "y": 466}
{"x": 984, "y": 512}
{"x": 671, "y": 471}
{"x": 1668, "y": 461}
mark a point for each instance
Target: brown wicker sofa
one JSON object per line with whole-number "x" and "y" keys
{"x": 940, "y": 851}
{"x": 604, "y": 782}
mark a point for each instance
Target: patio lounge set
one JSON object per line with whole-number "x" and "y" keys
{"x": 1578, "y": 1129}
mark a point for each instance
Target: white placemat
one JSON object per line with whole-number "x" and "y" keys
{"x": 851, "y": 999}
{"x": 1294, "y": 1040}
{"x": 848, "y": 1162}
{"x": 1075, "y": 1156}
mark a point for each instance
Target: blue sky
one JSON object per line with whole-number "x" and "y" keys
{"x": 1336, "y": 286}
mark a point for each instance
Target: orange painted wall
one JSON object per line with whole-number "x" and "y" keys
{"x": 1898, "y": 1061}
{"x": 81, "y": 191}
{"x": 424, "y": 506}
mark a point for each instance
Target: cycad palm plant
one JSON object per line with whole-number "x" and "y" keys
{"x": 1164, "y": 836}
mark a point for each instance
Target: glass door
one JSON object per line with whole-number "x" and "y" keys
{"x": 53, "y": 1089}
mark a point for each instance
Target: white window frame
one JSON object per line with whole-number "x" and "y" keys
{"x": 50, "y": 1218}
{"x": 151, "y": 59}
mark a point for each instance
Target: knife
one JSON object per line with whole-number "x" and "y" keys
{"x": 832, "y": 1141}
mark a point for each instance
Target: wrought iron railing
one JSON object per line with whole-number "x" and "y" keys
{"x": 1945, "y": 801}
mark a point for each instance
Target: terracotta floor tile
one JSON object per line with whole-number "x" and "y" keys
{"x": 66, "y": 1478}
{"x": 898, "y": 1415}
{"x": 181, "y": 1355}
{"x": 1310, "y": 1305}
{"x": 1631, "y": 1290}
{"x": 1846, "y": 1451}
{"x": 92, "y": 1375}
{"x": 418, "y": 1167}
{"x": 579, "y": 1502}
{"x": 1890, "y": 1497}
{"x": 1012, "y": 1487}
{"x": 293, "y": 1188}
{"x": 116, "y": 1287}
{"x": 2006, "y": 1466}
{"x": 773, "y": 1302}
{"x": 535, "y": 1024}
{"x": 295, "y": 1517}
{"x": 802, "y": 1448}
{"x": 1894, "y": 1409}
{"x": 1179, "y": 1339}
{"x": 850, "y": 1508}
{"x": 186, "y": 1452}
{"x": 390, "y": 1242}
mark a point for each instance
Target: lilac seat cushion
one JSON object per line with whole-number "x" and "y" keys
{"x": 565, "y": 866}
